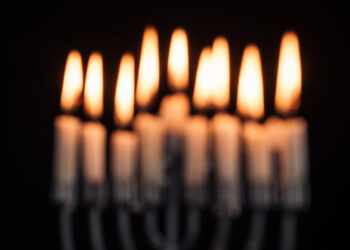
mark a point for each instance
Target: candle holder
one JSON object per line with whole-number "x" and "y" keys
{"x": 227, "y": 201}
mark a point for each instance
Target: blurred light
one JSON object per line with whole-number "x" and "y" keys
{"x": 250, "y": 99}
{"x": 288, "y": 87}
{"x": 178, "y": 60}
{"x": 124, "y": 93}
{"x": 93, "y": 95}
{"x": 148, "y": 76}
{"x": 72, "y": 81}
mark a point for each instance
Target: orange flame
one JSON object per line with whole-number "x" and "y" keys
{"x": 72, "y": 81}
{"x": 93, "y": 95}
{"x": 221, "y": 72}
{"x": 124, "y": 93}
{"x": 288, "y": 89}
{"x": 178, "y": 60}
{"x": 250, "y": 99}
{"x": 148, "y": 78}
{"x": 203, "y": 86}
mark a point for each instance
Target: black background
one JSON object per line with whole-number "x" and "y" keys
{"x": 39, "y": 37}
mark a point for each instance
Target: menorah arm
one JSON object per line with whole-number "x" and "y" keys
{"x": 124, "y": 229}
{"x": 66, "y": 228}
{"x": 257, "y": 229}
{"x": 222, "y": 232}
{"x": 288, "y": 231}
{"x": 151, "y": 228}
{"x": 96, "y": 231}
{"x": 192, "y": 228}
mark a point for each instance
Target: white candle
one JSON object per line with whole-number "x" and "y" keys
{"x": 196, "y": 150}
{"x": 68, "y": 127}
{"x": 259, "y": 158}
{"x": 299, "y": 149}
{"x": 289, "y": 140}
{"x": 174, "y": 109}
{"x": 151, "y": 132}
{"x": 67, "y": 135}
{"x": 94, "y": 133}
{"x": 124, "y": 155}
{"x": 226, "y": 134}
{"x": 94, "y": 148}
{"x": 124, "y": 143}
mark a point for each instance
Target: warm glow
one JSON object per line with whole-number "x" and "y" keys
{"x": 148, "y": 76}
{"x": 178, "y": 60}
{"x": 72, "y": 81}
{"x": 250, "y": 99}
{"x": 124, "y": 93}
{"x": 288, "y": 87}
{"x": 93, "y": 95}
{"x": 203, "y": 86}
{"x": 221, "y": 72}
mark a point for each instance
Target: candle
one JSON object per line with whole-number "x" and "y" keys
{"x": 258, "y": 150}
{"x": 68, "y": 127}
{"x": 225, "y": 129}
{"x": 150, "y": 128}
{"x": 196, "y": 150}
{"x": 196, "y": 137}
{"x": 124, "y": 143}
{"x": 175, "y": 108}
{"x": 93, "y": 132}
{"x": 151, "y": 131}
{"x": 250, "y": 104}
{"x": 226, "y": 133}
{"x": 289, "y": 139}
{"x": 293, "y": 149}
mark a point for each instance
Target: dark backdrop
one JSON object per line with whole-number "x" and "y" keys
{"x": 38, "y": 39}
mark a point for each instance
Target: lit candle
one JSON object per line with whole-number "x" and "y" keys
{"x": 93, "y": 132}
{"x": 124, "y": 143}
{"x": 225, "y": 129}
{"x": 150, "y": 128}
{"x": 175, "y": 108}
{"x": 196, "y": 137}
{"x": 250, "y": 104}
{"x": 68, "y": 127}
{"x": 292, "y": 146}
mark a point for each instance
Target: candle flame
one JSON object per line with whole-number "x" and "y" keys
{"x": 124, "y": 93}
{"x": 221, "y": 72}
{"x": 72, "y": 81}
{"x": 203, "y": 86}
{"x": 148, "y": 76}
{"x": 250, "y": 99}
{"x": 178, "y": 60}
{"x": 93, "y": 95}
{"x": 288, "y": 87}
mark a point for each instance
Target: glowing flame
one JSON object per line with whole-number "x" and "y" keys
{"x": 148, "y": 77}
{"x": 178, "y": 60}
{"x": 288, "y": 87}
{"x": 72, "y": 81}
{"x": 93, "y": 95}
{"x": 203, "y": 86}
{"x": 250, "y": 99}
{"x": 221, "y": 72}
{"x": 124, "y": 92}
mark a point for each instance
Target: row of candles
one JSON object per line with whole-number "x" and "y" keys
{"x": 222, "y": 134}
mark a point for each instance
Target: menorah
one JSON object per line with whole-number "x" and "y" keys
{"x": 193, "y": 162}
